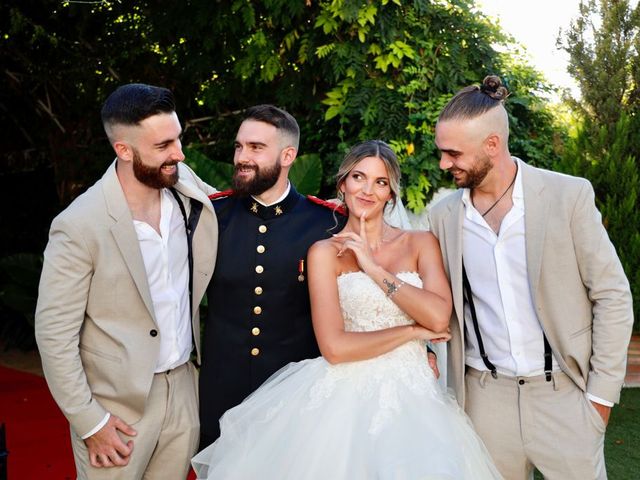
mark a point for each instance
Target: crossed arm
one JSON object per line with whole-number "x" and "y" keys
{"x": 429, "y": 306}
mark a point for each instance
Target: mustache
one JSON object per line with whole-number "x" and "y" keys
{"x": 169, "y": 163}
{"x": 236, "y": 168}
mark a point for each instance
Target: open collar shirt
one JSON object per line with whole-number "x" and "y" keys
{"x": 165, "y": 258}
{"x": 496, "y": 265}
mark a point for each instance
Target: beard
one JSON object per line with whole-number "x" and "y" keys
{"x": 152, "y": 176}
{"x": 263, "y": 179}
{"x": 474, "y": 176}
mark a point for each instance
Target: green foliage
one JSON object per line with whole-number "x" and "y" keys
{"x": 391, "y": 81}
{"x": 623, "y": 437}
{"x": 605, "y": 160}
{"x": 347, "y": 70}
{"x": 216, "y": 174}
{"x": 305, "y": 173}
{"x": 19, "y": 277}
{"x": 602, "y": 44}
{"x": 603, "y": 48}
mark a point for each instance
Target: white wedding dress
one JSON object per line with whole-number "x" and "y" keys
{"x": 385, "y": 418}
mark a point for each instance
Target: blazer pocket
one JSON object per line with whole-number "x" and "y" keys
{"x": 581, "y": 331}
{"x": 100, "y": 354}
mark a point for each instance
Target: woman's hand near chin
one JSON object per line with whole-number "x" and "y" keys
{"x": 359, "y": 245}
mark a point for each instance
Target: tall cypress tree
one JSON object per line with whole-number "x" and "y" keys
{"x": 603, "y": 48}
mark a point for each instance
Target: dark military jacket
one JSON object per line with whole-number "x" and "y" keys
{"x": 259, "y": 316}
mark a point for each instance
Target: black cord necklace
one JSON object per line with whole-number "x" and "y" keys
{"x": 503, "y": 194}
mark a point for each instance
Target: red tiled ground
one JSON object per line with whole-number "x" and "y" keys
{"x": 633, "y": 363}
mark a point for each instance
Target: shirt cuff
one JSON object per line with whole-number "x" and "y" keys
{"x": 97, "y": 427}
{"x": 599, "y": 400}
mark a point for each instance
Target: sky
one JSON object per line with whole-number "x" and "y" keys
{"x": 535, "y": 24}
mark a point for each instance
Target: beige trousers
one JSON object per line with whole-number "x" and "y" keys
{"x": 168, "y": 433}
{"x": 527, "y": 422}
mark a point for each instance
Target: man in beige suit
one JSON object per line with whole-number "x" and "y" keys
{"x": 542, "y": 308}
{"x": 125, "y": 268}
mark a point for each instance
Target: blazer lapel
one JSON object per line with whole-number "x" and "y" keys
{"x": 453, "y": 225}
{"x": 125, "y": 235}
{"x": 536, "y": 212}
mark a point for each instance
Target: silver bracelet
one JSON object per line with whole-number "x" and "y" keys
{"x": 392, "y": 288}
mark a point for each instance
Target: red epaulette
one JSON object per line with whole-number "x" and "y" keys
{"x": 333, "y": 206}
{"x": 217, "y": 195}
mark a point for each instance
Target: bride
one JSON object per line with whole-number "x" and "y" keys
{"x": 370, "y": 406}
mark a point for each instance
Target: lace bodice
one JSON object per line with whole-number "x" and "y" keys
{"x": 365, "y": 306}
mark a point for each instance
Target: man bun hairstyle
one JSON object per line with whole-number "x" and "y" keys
{"x": 134, "y": 102}
{"x": 475, "y": 100}
{"x": 282, "y": 120}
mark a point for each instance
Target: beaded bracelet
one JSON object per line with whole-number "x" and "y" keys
{"x": 392, "y": 288}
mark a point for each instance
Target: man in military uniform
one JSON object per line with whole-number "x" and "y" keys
{"x": 259, "y": 316}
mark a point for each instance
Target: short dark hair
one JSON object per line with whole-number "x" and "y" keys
{"x": 130, "y": 104}
{"x": 278, "y": 118}
{"x": 475, "y": 100}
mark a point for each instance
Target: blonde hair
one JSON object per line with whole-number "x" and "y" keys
{"x": 371, "y": 148}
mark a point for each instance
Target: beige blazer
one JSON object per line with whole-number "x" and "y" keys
{"x": 578, "y": 286}
{"x": 95, "y": 315}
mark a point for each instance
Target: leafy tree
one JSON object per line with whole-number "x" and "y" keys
{"x": 384, "y": 70}
{"x": 346, "y": 69}
{"x": 604, "y": 58}
{"x": 602, "y": 43}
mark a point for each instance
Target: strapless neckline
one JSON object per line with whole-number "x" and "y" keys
{"x": 402, "y": 272}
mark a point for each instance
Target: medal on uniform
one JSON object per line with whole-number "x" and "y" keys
{"x": 301, "y": 271}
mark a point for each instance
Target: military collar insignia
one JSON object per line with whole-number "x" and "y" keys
{"x": 272, "y": 211}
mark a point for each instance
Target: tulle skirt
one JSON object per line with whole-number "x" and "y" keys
{"x": 385, "y": 418}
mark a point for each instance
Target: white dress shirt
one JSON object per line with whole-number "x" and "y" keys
{"x": 165, "y": 259}
{"x": 282, "y": 197}
{"x": 496, "y": 265}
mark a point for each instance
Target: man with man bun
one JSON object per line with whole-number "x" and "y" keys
{"x": 542, "y": 308}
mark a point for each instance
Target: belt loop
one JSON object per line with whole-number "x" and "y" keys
{"x": 483, "y": 378}
{"x": 555, "y": 383}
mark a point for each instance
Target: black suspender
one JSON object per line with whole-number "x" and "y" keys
{"x": 485, "y": 358}
{"x": 547, "y": 358}
{"x": 190, "y": 227}
{"x": 474, "y": 318}
{"x": 189, "y": 248}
